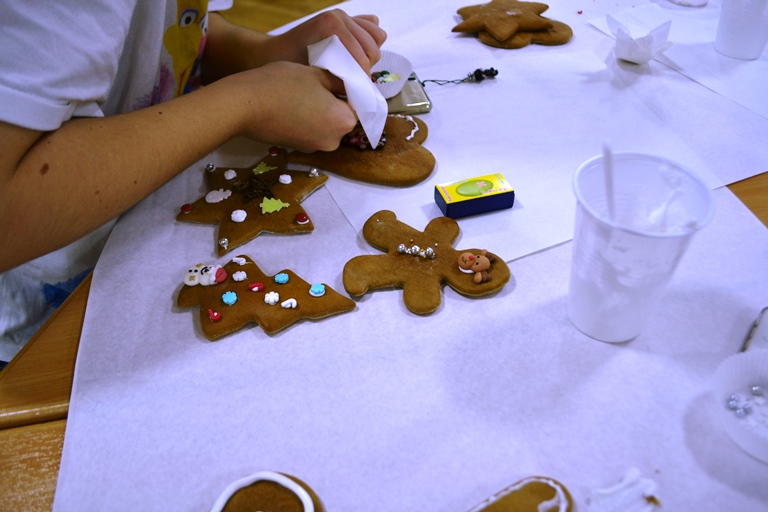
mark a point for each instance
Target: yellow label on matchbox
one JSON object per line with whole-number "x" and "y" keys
{"x": 474, "y": 195}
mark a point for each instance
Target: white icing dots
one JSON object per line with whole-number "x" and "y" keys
{"x": 238, "y": 215}
{"x": 239, "y": 276}
{"x": 285, "y": 179}
{"x": 230, "y": 174}
{"x": 216, "y": 196}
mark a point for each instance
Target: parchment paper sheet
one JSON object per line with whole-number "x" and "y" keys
{"x": 382, "y": 410}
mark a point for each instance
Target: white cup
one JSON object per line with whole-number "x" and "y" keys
{"x": 621, "y": 263}
{"x": 742, "y": 31}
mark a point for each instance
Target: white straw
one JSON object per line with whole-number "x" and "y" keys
{"x": 608, "y": 172}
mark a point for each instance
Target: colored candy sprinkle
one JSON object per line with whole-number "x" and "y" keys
{"x": 281, "y": 278}
{"x": 229, "y": 298}
{"x": 302, "y": 218}
{"x": 186, "y": 208}
{"x": 317, "y": 290}
{"x": 256, "y": 287}
{"x": 214, "y": 315}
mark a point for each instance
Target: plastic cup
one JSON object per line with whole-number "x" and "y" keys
{"x": 742, "y": 31}
{"x": 622, "y": 263}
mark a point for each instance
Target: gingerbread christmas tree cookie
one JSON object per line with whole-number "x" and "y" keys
{"x": 247, "y": 201}
{"x": 398, "y": 159}
{"x": 421, "y": 262}
{"x": 239, "y": 293}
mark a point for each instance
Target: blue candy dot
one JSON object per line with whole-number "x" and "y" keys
{"x": 229, "y": 298}
{"x": 281, "y": 278}
{"x": 317, "y": 290}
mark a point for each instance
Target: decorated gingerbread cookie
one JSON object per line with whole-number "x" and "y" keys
{"x": 420, "y": 262}
{"x": 268, "y": 491}
{"x": 398, "y": 159}
{"x": 512, "y": 24}
{"x": 238, "y": 293}
{"x": 262, "y": 197}
{"x": 533, "y": 494}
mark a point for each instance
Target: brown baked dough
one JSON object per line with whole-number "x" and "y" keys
{"x": 420, "y": 277}
{"x": 279, "y": 222}
{"x": 558, "y": 34}
{"x": 270, "y": 496}
{"x": 217, "y": 318}
{"x": 401, "y": 162}
{"x": 502, "y": 18}
{"x": 533, "y": 494}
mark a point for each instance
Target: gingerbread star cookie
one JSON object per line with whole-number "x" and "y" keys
{"x": 420, "y": 262}
{"x": 533, "y": 494}
{"x": 559, "y": 33}
{"x": 238, "y": 293}
{"x": 247, "y": 201}
{"x": 268, "y": 490}
{"x": 512, "y": 24}
{"x": 399, "y": 159}
{"x": 502, "y": 18}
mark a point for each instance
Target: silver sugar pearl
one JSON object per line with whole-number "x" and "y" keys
{"x": 224, "y": 242}
{"x": 210, "y": 167}
{"x": 402, "y": 249}
{"x": 313, "y": 172}
{"x": 429, "y": 253}
{"x": 415, "y": 249}
{"x": 741, "y": 412}
{"x": 756, "y": 390}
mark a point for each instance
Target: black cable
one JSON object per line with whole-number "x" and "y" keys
{"x": 477, "y": 75}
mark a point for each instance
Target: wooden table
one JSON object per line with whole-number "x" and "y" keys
{"x": 35, "y": 389}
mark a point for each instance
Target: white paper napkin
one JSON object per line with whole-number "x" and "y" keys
{"x": 362, "y": 94}
{"x": 642, "y": 49}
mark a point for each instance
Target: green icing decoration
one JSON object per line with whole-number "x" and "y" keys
{"x": 272, "y": 205}
{"x": 262, "y": 167}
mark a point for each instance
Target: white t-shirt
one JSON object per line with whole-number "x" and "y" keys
{"x": 84, "y": 58}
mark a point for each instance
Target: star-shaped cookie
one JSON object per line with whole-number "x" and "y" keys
{"x": 246, "y": 201}
{"x": 420, "y": 262}
{"x": 402, "y": 161}
{"x": 239, "y": 293}
{"x": 558, "y": 34}
{"x": 503, "y": 18}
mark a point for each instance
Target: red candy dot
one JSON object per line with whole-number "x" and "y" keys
{"x": 214, "y": 315}
{"x": 186, "y": 208}
{"x": 274, "y": 150}
{"x": 302, "y": 218}
{"x": 256, "y": 287}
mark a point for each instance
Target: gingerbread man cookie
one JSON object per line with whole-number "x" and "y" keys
{"x": 420, "y": 262}
{"x": 533, "y": 494}
{"x": 238, "y": 293}
{"x": 268, "y": 491}
{"x": 262, "y": 197}
{"x": 398, "y": 159}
